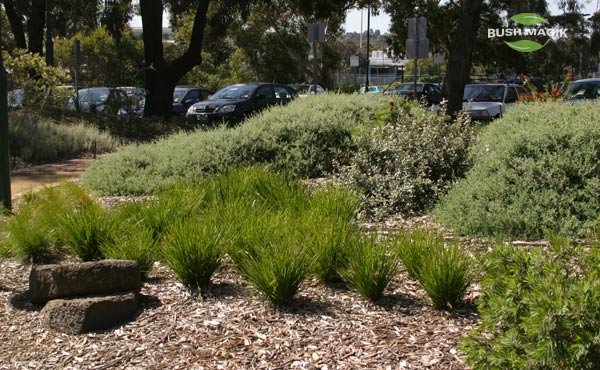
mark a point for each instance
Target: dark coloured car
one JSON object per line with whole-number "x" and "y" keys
{"x": 102, "y": 99}
{"x": 427, "y": 91}
{"x": 186, "y": 96}
{"x": 588, "y": 89}
{"x": 233, "y": 103}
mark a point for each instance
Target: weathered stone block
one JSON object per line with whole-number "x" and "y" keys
{"x": 47, "y": 282}
{"x": 82, "y": 315}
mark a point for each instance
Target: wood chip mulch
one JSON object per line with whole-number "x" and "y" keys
{"x": 233, "y": 328}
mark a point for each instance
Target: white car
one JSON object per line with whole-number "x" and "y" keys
{"x": 485, "y": 102}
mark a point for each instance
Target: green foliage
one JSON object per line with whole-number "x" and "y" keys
{"x": 444, "y": 271}
{"x": 194, "y": 249}
{"x": 404, "y": 164}
{"x": 36, "y": 139}
{"x": 540, "y": 309}
{"x": 371, "y": 267}
{"x": 414, "y": 248}
{"x": 445, "y": 274}
{"x": 276, "y": 263}
{"x": 40, "y": 83}
{"x": 84, "y": 230}
{"x": 329, "y": 230}
{"x": 33, "y": 232}
{"x": 303, "y": 138}
{"x": 536, "y": 169}
{"x": 104, "y": 61}
{"x": 132, "y": 242}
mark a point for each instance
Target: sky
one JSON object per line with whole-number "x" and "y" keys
{"x": 382, "y": 22}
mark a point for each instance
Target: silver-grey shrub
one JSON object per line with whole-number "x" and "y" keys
{"x": 407, "y": 160}
{"x": 36, "y": 139}
{"x": 303, "y": 138}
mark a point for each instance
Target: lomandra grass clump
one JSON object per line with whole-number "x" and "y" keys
{"x": 371, "y": 266}
{"x": 443, "y": 269}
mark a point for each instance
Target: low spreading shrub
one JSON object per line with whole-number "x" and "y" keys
{"x": 540, "y": 309}
{"x": 303, "y": 138}
{"x": 535, "y": 170}
{"x": 36, "y": 139}
{"x": 371, "y": 267}
{"x": 406, "y": 161}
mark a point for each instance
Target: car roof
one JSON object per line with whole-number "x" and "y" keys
{"x": 494, "y": 84}
{"x": 588, "y": 80}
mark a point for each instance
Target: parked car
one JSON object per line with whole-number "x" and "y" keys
{"x": 588, "y": 89}
{"x": 488, "y": 101}
{"x": 102, "y": 99}
{"x": 304, "y": 90}
{"x": 428, "y": 91}
{"x": 186, "y": 96}
{"x": 233, "y": 103}
{"x": 373, "y": 89}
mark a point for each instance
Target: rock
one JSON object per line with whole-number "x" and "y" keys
{"x": 47, "y": 282}
{"x": 81, "y": 315}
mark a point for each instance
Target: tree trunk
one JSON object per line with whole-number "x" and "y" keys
{"x": 35, "y": 26}
{"x": 161, "y": 77}
{"x": 16, "y": 24}
{"x": 459, "y": 59}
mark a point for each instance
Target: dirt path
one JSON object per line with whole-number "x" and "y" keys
{"x": 26, "y": 179}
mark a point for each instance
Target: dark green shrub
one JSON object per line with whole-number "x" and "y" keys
{"x": 371, "y": 267}
{"x": 404, "y": 164}
{"x": 535, "y": 170}
{"x": 303, "y": 138}
{"x": 540, "y": 309}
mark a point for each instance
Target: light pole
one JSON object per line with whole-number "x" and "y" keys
{"x": 368, "y": 47}
{"x": 5, "y": 195}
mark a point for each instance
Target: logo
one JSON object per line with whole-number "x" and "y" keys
{"x": 528, "y": 20}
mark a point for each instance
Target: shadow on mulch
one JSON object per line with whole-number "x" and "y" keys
{"x": 149, "y": 301}
{"x": 22, "y": 301}
{"x": 306, "y": 306}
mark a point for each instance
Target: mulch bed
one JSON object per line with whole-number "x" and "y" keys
{"x": 233, "y": 328}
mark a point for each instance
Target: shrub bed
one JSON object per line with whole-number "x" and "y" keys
{"x": 303, "y": 138}
{"x": 406, "y": 160}
{"x": 536, "y": 170}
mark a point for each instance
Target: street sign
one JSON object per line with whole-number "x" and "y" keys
{"x": 316, "y": 32}
{"x": 417, "y": 28}
{"x": 354, "y": 62}
{"x": 411, "y": 49}
{"x": 439, "y": 58}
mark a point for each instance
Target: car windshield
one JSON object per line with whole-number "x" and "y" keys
{"x": 487, "y": 93}
{"x": 235, "y": 92}
{"x": 584, "y": 90}
{"x": 93, "y": 95}
{"x": 410, "y": 87}
{"x": 178, "y": 94}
